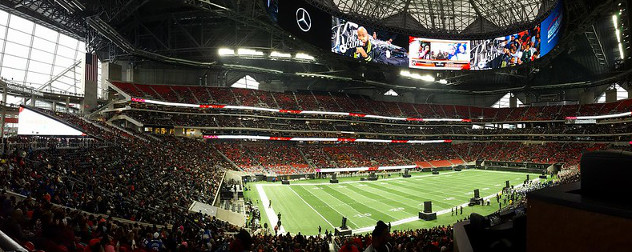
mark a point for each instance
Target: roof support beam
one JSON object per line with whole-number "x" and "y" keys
{"x": 432, "y": 17}
{"x": 405, "y": 13}
{"x": 59, "y": 75}
{"x": 478, "y": 11}
{"x": 125, "y": 11}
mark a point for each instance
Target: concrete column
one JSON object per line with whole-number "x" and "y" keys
{"x": 109, "y": 72}
{"x": 407, "y": 97}
{"x": 32, "y": 103}
{"x": 587, "y": 97}
{"x": 513, "y": 102}
{"x": 127, "y": 71}
{"x": 611, "y": 95}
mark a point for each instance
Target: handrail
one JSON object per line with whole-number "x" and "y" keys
{"x": 9, "y": 245}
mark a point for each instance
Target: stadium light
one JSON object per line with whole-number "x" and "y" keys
{"x": 249, "y": 52}
{"x": 226, "y": 52}
{"x": 304, "y": 56}
{"x": 427, "y": 78}
{"x": 618, "y": 33}
{"x": 276, "y": 54}
{"x": 417, "y": 76}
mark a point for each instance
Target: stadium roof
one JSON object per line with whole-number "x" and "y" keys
{"x": 448, "y": 16}
{"x": 190, "y": 33}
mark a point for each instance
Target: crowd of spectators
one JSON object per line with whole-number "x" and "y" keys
{"x": 545, "y": 153}
{"x": 280, "y": 157}
{"x": 382, "y": 239}
{"x": 97, "y": 178}
{"x": 39, "y": 225}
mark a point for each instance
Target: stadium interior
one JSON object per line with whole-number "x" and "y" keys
{"x": 315, "y": 125}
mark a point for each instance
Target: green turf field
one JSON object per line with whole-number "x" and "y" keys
{"x": 305, "y": 205}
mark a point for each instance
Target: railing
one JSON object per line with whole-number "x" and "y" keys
{"x": 9, "y": 245}
{"x": 21, "y": 87}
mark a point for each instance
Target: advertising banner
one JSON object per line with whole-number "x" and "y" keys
{"x": 304, "y": 21}
{"x": 550, "y": 32}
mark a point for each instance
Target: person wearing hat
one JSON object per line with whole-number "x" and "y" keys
{"x": 380, "y": 236}
{"x": 156, "y": 243}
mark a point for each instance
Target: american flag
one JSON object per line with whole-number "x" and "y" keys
{"x": 92, "y": 67}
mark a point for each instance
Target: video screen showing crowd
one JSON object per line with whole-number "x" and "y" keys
{"x": 364, "y": 43}
{"x": 433, "y": 53}
{"x": 512, "y": 50}
{"x": 372, "y": 43}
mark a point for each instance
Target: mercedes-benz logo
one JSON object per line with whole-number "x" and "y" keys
{"x": 303, "y": 20}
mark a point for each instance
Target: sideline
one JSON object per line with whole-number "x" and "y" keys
{"x": 416, "y": 218}
{"x": 272, "y": 216}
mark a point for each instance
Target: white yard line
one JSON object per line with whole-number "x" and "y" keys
{"x": 272, "y": 216}
{"x": 369, "y": 199}
{"x": 310, "y": 206}
{"x": 324, "y": 201}
{"x": 415, "y": 218}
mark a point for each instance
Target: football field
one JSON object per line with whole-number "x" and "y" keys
{"x": 305, "y": 205}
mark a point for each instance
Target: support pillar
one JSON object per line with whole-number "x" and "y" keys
{"x": 587, "y": 97}
{"x": 4, "y": 113}
{"x": 109, "y": 72}
{"x": 513, "y": 102}
{"x": 89, "y": 81}
{"x": 611, "y": 95}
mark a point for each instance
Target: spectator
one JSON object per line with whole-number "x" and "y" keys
{"x": 380, "y": 237}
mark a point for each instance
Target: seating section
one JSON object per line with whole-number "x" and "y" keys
{"x": 441, "y": 163}
{"x": 279, "y": 157}
{"x": 342, "y": 102}
{"x": 265, "y": 158}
